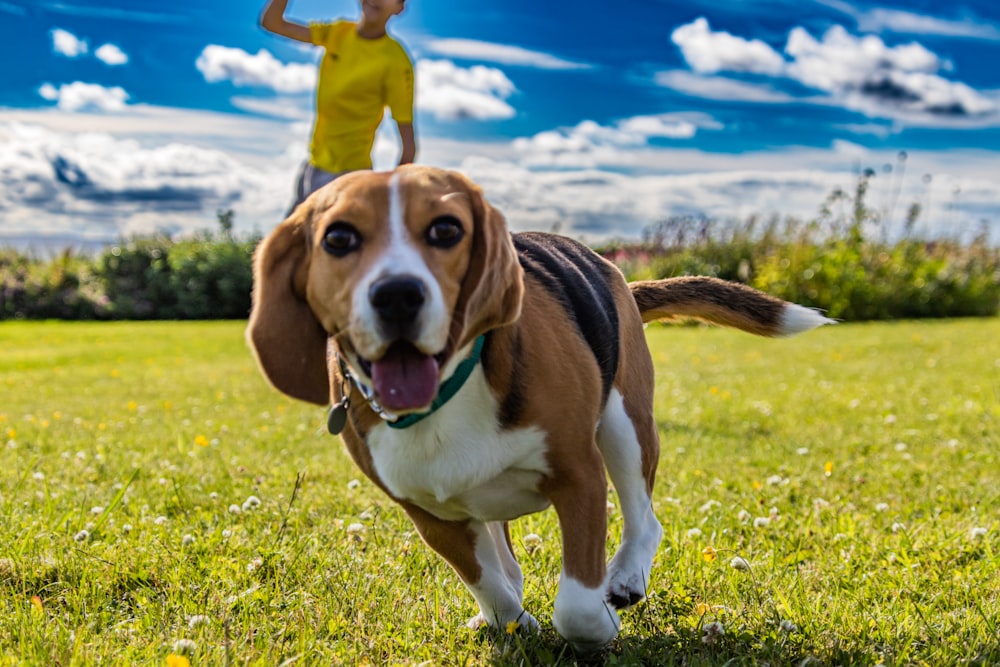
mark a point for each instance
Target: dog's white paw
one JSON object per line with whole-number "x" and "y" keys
{"x": 582, "y": 616}
{"x": 525, "y": 620}
{"x": 628, "y": 572}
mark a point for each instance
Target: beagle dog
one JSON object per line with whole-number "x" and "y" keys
{"x": 477, "y": 375}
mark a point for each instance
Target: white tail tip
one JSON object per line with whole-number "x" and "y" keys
{"x": 796, "y": 319}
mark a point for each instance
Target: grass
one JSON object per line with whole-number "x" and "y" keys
{"x": 159, "y": 503}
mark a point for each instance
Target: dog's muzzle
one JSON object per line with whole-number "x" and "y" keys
{"x": 397, "y": 301}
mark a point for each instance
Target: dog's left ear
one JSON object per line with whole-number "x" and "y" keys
{"x": 286, "y": 337}
{"x": 494, "y": 282}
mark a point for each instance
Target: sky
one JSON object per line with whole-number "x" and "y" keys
{"x": 120, "y": 118}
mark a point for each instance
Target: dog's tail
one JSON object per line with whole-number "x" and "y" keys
{"x": 721, "y": 302}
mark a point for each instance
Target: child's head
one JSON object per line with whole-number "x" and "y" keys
{"x": 380, "y": 11}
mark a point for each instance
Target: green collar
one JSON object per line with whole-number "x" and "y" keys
{"x": 450, "y": 387}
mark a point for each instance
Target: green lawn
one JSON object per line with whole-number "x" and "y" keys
{"x": 158, "y": 501}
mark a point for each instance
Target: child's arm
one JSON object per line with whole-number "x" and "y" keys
{"x": 273, "y": 20}
{"x": 406, "y": 138}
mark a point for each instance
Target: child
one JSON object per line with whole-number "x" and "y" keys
{"x": 363, "y": 70}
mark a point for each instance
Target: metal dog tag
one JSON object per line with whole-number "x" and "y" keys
{"x": 336, "y": 420}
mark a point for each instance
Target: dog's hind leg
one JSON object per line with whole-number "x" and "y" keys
{"x": 625, "y": 440}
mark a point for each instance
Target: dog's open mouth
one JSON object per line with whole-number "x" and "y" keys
{"x": 404, "y": 378}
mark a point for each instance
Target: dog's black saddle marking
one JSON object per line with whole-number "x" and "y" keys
{"x": 580, "y": 280}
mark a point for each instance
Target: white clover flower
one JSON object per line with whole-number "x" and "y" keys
{"x": 739, "y": 563}
{"x": 214, "y": 495}
{"x": 127, "y": 528}
{"x": 97, "y": 509}
{"x": 356, "y": 530}
{"x": 712, "y": 631}
{"x": 694, "y": 532}
{"x": 251, "y": 503}
{"x": 890, "y": 419}
{"x": 367, "y": 515}
{"x": 82, "y": 536}
{"x": 39, "y": 476}
{"x": 235, "y": 509}
{"x": 802, "y": 451}
{"x": 707, "y": 507}
{"x": 788, "y": 626}
{"x": 761, "y": 522}
{"x": 161, "y": 520}
{"x": 744, "y": 516}
{"x": 353, "y": 484}
{"x": 226, "y": 534}
{"x": 185, "y": 646}
{"x": 897, "y": 527}
{"x": 978, "y": 533}
{"x": 882, "y": 507}
{"x": 821, "y": 503}
{"x": 775, "y": 480}
{"x": 187, "y": 540}
{"x": 197, "y": 620}
{"x": 254, "y": 564}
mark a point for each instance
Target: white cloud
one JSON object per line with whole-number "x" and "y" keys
{"x": 719, "y": 88}
{"x": 863, "y": 74}
{"x": 221, "y": 63}
{"x": 111, "y": 54}
{"x": 877, "y": 79}
{"x": 67, "y": 44}
{"x": 451, "y": 92}
{"x": 589, "y": 144}
{"x": 708, "y": 51}
{"x": 96, "y": 186}
{"x": 881, "y": 20}
{"x": 94, "y": 176}
{"x": 470, "y": 49}
{"x": 79, "y": 96}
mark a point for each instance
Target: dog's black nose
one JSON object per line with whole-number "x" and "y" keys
{"x": 397, "y": 300}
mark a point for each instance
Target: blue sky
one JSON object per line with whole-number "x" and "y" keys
{"x": 116, "y": 120}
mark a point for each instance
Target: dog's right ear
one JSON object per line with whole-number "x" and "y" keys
{"x": 287, "y": 339}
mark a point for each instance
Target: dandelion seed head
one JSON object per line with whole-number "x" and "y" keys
{"x": 185, "y": 646}
{"x": 712, "y": 631}
{"x": 739, "y": 563}
{"x": 532, "y": 542}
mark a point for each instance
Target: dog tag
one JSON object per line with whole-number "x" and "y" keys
{"x": 336, "y": 420}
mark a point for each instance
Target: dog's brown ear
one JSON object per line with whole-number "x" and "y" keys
{"x": 287, "y": 339}
{"x": 494, "y": 282}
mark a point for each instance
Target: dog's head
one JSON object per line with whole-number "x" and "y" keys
{"x": 404, "y": 269}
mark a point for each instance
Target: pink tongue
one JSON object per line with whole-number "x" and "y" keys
{"x": 405, "y": 379}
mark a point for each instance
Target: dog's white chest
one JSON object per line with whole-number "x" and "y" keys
{"x": 457, "y": 463}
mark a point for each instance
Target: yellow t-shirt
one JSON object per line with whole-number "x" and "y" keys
{"x": 358, "y": 78}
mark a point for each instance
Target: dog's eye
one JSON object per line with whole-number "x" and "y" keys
{"x": 340, "y": 239}
{"x": 444, "y": 232}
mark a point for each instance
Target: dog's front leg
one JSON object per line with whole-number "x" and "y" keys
{"x": 480, "y": 554}
{"x": 582, "y": 614}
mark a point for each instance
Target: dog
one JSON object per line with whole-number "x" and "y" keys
{"x": 478, "y": 376}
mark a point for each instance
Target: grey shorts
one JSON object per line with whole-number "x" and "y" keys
{"x": 310, "y": 179}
